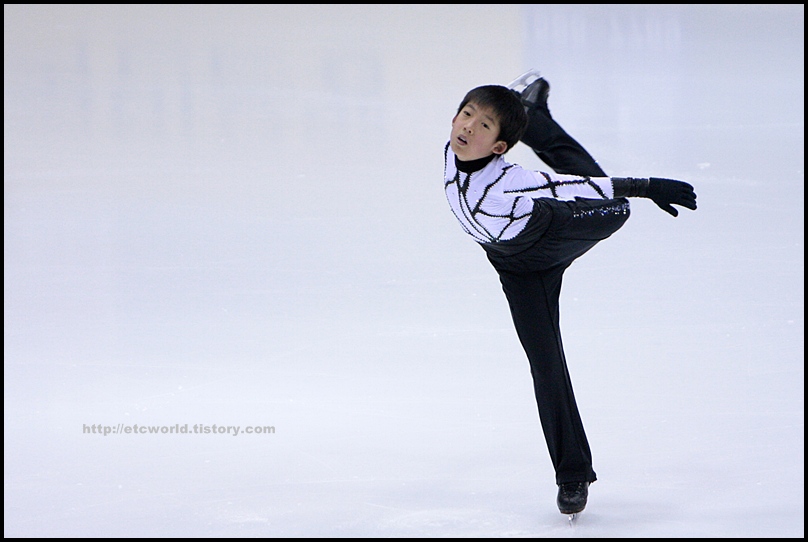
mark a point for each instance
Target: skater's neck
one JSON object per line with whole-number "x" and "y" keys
{"x": 471, "y": 166}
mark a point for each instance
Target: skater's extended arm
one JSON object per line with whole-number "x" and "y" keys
{"x": 664, "y": 192}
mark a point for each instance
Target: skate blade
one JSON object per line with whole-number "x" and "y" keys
{"x": 572, "y": 518}
{"x": 522, "y": 80}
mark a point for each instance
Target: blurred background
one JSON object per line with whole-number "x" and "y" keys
{"x": 234, "y": 215}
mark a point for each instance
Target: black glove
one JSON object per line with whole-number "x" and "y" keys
{"x": 663, "y": 192}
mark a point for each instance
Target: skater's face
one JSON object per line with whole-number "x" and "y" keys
{"x": 475, "y": 130}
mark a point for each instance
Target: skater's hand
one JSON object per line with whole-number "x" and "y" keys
{"x": 665, "y": 192}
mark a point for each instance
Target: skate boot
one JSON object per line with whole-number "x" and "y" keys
{"x": 532, "y": 89}
{"x": 520, "y": 83}
{"x": 572, "y": 497}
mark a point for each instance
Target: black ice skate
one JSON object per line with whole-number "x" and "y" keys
{"x": 572, "y": 497}
{"x": 533, "y": 90}
{"x": 521, "y": 83}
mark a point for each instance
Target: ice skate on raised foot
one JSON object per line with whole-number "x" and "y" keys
{"x": 572, "y": 498}
{"x": 521, "y": 83}
{"x": 532, "y": 89}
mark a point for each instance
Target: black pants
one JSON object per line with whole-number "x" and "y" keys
{"x": 557, "y": 148}
{"x": 531, "y": 280}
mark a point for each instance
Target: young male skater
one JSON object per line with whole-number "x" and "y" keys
{"x": 532, "y": 226}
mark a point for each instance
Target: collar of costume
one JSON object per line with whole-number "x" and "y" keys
{"x": 471, "y": 166}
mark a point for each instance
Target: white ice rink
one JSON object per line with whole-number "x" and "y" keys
{"x": 235, "y": 216}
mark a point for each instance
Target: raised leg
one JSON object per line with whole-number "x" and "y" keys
{"x": 554, "y": 146}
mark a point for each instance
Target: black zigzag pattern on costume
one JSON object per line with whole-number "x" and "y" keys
{"x": 481, "y": 232}
{"x": 445, "y": 162}
{"x": 553, "y": 186}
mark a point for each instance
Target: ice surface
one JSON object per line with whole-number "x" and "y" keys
{"x": 235, "y": 216}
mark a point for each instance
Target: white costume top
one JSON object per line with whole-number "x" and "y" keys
{"x": 495, "y": 203}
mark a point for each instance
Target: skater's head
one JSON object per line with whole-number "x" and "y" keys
{"x": 490, "y": 120}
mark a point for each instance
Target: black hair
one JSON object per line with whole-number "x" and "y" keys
{"x": 506, "y": 106}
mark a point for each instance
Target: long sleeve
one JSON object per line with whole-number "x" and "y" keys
{"x": 495, "y": 203}
{"x": 539, "y": 184}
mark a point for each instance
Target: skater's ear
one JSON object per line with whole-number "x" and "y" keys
{"x": 500, "y": 147}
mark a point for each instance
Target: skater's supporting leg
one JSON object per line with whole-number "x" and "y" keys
{"x": 533, "y": 300}
{"x": 531, "y": 281}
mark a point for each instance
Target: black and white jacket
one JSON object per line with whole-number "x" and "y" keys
{"x": 494, "y": 203}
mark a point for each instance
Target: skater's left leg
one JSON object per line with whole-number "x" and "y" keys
{"x": 548, "y": 140}
{"x": 556, "y": 148}
{"x": 559, "y": 232}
